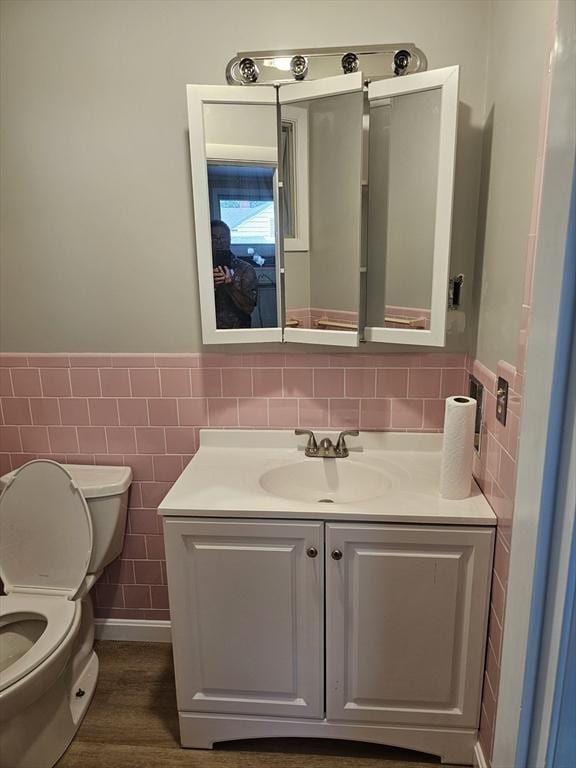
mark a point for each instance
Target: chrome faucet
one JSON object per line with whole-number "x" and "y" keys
{"x": 327, "y": 449}
{"x": 341, "y": 447}
{"x": 311, "y": 445}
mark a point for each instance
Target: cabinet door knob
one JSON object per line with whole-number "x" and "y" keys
{"x": 336, "y": 555}
{"x": 312, "y": 552}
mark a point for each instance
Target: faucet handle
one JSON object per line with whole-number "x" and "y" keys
{"x": 341, "y": 447}
{"x": 312, "y": 445}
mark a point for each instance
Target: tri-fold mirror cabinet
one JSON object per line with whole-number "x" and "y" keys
{"x": 323, "y": 208}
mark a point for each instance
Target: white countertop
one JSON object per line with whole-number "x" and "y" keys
{"x": 223, "y": 479}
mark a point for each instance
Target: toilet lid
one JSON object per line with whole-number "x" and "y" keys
{"x": 45, "y": 531}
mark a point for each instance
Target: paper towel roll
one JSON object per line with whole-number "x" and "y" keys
{"x": 458, "y": 447}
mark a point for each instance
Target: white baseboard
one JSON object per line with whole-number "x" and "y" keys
{"x": 479, "y": 758}
{"x": 136, "y": 630}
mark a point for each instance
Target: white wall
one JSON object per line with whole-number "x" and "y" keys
{"x": 97, "y": 229}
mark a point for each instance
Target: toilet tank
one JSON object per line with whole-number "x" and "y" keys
{"x": 106, "y": 492}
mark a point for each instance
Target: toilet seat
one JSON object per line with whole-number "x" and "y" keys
{"x": 45, "y": 531}
{"x": 59, "y": 614}
{"x": 45, "y": 548}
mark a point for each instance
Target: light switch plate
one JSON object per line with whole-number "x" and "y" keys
{"x": 502, "y": 400}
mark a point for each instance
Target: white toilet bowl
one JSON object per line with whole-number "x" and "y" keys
{"x": 39, "y": 710}
{"x": 48, "y": 668}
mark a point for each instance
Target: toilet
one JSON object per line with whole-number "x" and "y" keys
{"x": 60, "y": 525}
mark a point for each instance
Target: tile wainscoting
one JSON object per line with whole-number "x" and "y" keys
{"x": 495, "y": 472}
{"x": 145, "y": 411}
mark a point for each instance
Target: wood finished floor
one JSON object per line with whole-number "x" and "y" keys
{"x": 132, "y": 723}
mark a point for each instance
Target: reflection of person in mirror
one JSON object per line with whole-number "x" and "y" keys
{"x": 235, "y": 281}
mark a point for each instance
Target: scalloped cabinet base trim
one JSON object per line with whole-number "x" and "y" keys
{"x": 202, "y": 731}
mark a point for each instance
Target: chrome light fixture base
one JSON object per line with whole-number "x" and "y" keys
{"x": 376, "y": 62}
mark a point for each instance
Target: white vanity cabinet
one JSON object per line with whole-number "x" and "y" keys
{"x": 373, "y": 632}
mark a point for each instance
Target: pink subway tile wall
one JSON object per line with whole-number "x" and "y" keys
{"x": 495, "y": 472}
{"x": 145, "y": 411}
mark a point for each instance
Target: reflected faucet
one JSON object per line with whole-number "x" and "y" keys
{"x": 327, "y": 449}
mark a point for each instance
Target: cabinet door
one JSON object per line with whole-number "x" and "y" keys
{"x": 233, "y": 135}
{"x": 411, "y": 161}
{"x": 247, "y": 611}
{"x": 406, "y": 615}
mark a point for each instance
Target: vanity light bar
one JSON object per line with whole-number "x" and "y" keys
{"x": 374, "y": 61}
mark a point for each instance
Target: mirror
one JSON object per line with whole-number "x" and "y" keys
{"x": 322, "y": 284}
{"x": 402, "y": 167}
{"x": 412, "y": 131}
{"x": 242, "y": 163}
{"x": 235, "y": 177}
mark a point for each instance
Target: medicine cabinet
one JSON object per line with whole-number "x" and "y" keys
{"x": 322, "y": 208}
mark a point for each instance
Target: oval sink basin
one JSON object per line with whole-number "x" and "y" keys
{"x": 326, "y": 480}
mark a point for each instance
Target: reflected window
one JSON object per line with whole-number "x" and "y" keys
{"x": 251, "y": 222}
{"x": 242, "y": 212}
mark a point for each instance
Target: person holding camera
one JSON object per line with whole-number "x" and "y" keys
{"x": 235, "y": 281}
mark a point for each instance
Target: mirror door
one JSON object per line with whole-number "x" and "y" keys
{"x": 322, "y": 283}
{"x": 412, "y": 141}
{"x": 356, "y": 255}
{"x": 234, "y": 160}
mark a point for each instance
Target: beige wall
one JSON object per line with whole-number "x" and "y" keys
{"x": 297, "y": 279}
{"x": 335, "y": 168}
{"x": 519, "y": 36}
{"x": 97, "y": 228}
{"x": 252, "y": 125}
{"x": 403, "y": 173}
{"x": 414, "y": 145}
